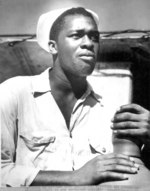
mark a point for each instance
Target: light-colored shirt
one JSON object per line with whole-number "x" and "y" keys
{"x": 34, "y": 132}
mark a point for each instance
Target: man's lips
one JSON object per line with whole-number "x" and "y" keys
{"x": 87, "y": 56}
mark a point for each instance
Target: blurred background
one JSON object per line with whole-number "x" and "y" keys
{"x": 20, "y": 16}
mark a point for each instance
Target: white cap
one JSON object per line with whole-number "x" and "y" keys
{"x": 46, "y": 21}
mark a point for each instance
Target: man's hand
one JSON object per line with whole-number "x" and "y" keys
{"x": 100, "y": 169}
{"x": 133, "y": 121}
{"x": 104, "y": 168}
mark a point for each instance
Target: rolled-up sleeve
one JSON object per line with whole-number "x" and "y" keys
{"x": 12, "y": 174}
{"x": 17, "y": 175}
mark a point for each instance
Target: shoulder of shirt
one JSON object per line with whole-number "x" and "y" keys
{"x": 17, "y": 82}
{"x": 20, "y": 85}
{"x": 12, "y": 88}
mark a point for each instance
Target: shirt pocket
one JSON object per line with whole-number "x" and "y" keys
{"x": 32, "y": 147}
{"x": 38, "y": 140}
{"x": 97, "y": 146}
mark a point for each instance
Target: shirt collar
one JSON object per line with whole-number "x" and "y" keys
{"x": 41, "y": 84}
{"x": 91, "y": 92}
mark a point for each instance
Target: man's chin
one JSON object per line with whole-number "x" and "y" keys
{"x": 86, "y": 73}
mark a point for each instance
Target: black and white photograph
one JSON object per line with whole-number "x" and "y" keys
{"x": 75, "y": 95}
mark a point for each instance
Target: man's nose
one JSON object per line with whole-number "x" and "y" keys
{"x": 87, "y": 42}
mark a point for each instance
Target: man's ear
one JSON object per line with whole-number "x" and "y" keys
{"x": 52, "y": 47}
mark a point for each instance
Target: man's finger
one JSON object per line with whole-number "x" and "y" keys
{"x": 126, "y": 116}
{"x": 129, "y": 133}
{"x": 112, "y": 176}
{"x": 126, "y": 125}
{"x": 134, "y": 108}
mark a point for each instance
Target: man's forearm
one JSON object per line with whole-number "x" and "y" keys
{"x": 100, "y": 169}
{"x": 53, "y": 178}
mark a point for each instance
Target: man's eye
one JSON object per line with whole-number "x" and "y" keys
{"x": 77, "y": 35}
{"x": 95, "y": 37}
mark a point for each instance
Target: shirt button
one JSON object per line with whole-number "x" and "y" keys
{"x": 70, "y": 134}
{"x": 103, "y": 150}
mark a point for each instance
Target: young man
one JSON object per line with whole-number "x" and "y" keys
{"x": 55, "y": 129}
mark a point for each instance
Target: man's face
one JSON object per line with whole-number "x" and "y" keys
{"x": 78, "y": 44}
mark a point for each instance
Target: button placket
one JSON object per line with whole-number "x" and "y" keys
{"x": 75, "y": 115}
{"x": 73, "y": 121}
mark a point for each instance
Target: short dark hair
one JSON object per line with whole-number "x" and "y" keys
{"x": 59, "y": 23}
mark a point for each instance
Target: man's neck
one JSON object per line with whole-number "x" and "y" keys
{"x": 67, "y": 84}
{"x": 66, "y": 90}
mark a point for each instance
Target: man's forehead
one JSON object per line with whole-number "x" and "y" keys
{"x": 79, "y": 22}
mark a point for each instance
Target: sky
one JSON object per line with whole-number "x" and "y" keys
{"x": 21, "y": 16}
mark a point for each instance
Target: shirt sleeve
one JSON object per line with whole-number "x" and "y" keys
{"x": 11, "y": 174}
